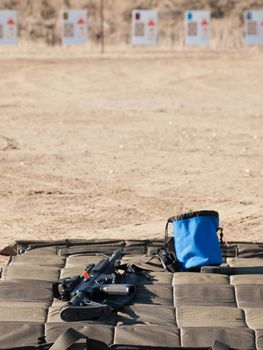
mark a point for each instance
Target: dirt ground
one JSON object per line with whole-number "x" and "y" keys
{"x": 112, "y": 146}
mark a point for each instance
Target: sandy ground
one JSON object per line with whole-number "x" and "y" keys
{"x": 112, "y": 146}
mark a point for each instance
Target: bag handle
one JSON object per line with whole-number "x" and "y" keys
{"x": 171, "y": 262}
{"x": 221, "y": 234}
{"x": 170, "y": 220}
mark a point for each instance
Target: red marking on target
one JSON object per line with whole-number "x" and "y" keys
{"x": 10, "y": 22}
{"x": 81, "y": 21}
{"x": 204, "y": 22}
{"x": 261, "y": 23}
{"x": 151, "y": 23}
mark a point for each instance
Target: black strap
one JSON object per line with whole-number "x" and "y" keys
{"x": 172, "y": 264}
{"x": 229, "y": 270}
{"x": 164, "y": 255}
{"x": 129, "y": 267}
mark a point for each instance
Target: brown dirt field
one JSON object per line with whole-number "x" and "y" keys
{"x": 112, "y": 146}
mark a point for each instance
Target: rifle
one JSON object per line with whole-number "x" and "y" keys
{"x": 96, "y": 293}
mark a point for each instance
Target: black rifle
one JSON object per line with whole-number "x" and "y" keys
{"x": 98, "y": 292}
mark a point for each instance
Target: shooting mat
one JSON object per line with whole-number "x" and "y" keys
{"x": 182, "y": 309}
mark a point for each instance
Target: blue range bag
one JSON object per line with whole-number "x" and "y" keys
{"x": 195, "y": 239}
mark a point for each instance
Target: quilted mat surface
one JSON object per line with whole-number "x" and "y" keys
{"x": 180, "y": 309}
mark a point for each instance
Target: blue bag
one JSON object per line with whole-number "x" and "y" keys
{"x": 195, "y": 239}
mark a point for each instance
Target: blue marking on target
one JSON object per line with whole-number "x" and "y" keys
{"x": 190, "y": 16}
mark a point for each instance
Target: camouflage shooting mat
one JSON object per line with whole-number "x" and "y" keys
{"x": 171, "y": 310}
